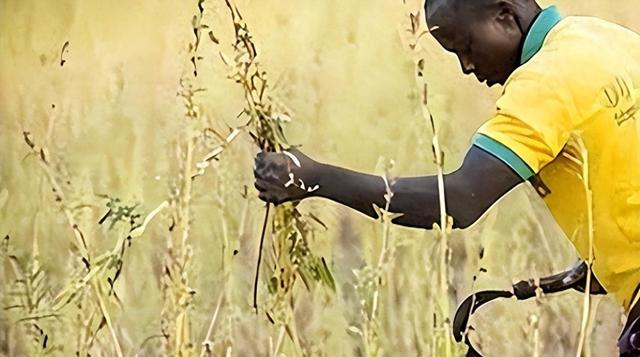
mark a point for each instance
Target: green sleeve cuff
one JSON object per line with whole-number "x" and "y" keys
{"x": 504, "y": 154}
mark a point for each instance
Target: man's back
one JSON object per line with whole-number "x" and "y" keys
{"x": 569, "y": 112}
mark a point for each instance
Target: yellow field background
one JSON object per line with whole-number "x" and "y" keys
{"x": 113, "y": 125}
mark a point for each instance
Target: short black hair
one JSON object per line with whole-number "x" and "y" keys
{"x": 432, "y": 6}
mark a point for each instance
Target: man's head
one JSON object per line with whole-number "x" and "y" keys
{"x": 486, "y": 35}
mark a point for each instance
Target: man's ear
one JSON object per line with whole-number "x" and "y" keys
{"x": 506, "y": 16}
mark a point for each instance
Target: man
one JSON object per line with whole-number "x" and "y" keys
{"x": 566, "y": 122}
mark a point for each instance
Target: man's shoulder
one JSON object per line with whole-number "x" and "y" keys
{"x": 576, "y": 28}
{"x": 577, "y": 35}
{"x": 581, "y": 52}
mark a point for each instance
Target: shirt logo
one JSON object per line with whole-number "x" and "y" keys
{"x": 622, "y": 100}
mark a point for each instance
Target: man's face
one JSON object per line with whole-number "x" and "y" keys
{"x": 486, "y": 41}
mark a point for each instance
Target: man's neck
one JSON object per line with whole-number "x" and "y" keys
{"x": 527, "y": 15}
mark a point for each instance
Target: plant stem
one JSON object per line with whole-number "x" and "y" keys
{"x": 206, "y": 345}
{"x": 587, "y": 291}
{"x": 107, "y": 317}
{"x": 257, "y": 276}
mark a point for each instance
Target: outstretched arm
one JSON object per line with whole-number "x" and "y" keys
{"x": 470, "y": 191}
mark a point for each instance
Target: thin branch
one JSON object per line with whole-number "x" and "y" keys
{"x": 206, "y": 345}
{"x": 586, "y": 306}
{"x": 257, "y": 276}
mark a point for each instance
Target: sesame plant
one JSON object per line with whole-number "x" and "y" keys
{"x": 92, "y": 277}
{"x": 28, "y": 295}
{"x": 291, "y": 258}
{"x": 371, "y": 278}
{"x": 175, "y": 281}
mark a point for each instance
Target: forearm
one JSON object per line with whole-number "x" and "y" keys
{"x": 353, "y": 189}
{"x": 469, "y": 191}
{"x": 415, "y": 198}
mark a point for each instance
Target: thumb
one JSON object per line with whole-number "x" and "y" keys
{"x": 293, "y": 155}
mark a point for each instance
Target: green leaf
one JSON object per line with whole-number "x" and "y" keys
{"x": 326, "y": 276}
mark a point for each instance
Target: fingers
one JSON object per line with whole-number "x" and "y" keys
{"x": 270, "y": 166}
{"x": 268, "y": 192}
{"x": 265, "y": 186}
{"x": 267, "y": 175}
{"x": 260, "y": 161}
{"x": 271, "y": 171}
{"x": 271, "y": 193}
{"x": 260, "y": 169}
{"x": 265, "y": 197}
{"x": 269, "y": 198}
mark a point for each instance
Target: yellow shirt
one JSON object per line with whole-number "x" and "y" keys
{"x": 570, "y": 114}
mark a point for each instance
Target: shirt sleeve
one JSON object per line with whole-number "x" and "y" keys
{"x": 534, "y": 120}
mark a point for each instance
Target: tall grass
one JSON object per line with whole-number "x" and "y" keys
{"x": 581, "y": 158}
{"x": 444, "y": 344}
{"x": 132, "y": 226}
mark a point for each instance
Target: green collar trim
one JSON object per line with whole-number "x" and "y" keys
{"x": 546, "y": 20}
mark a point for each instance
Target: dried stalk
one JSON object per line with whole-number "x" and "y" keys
{"x": 534, "y": 322}
{"x": 276, "y": 348}
{"x": 584, "y": 158}
{"x": 175, "y": 280}
{"x": 107, "y": 317}
{"x": 257, "y": 275}
{"x": 177, "y": 294}
{"x": 371, "y": 278}
{"x": 28, "y": 294}
{"x": 290, "y": 230}
{"x": 96, "y": 267}
{"x": 446, "y": 222}
{"x": 595, "y": 303}
{"x": 42, "y": 153}
{"x": 208, "y": 344}
{"x": 70, "y": 291}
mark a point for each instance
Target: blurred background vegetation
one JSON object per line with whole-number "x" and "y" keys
{"x": 107, "y": 110}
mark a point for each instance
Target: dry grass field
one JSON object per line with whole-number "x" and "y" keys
{"x": 128, "y": 218}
